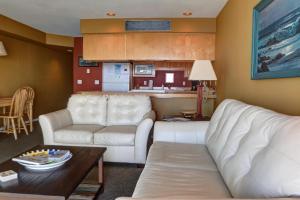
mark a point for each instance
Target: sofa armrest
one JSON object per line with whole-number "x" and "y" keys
{"x": 149, "y": 115}
{"x": 141, "y": 137}
{"x": 53, "y": 121}
{"x": 181, "y": 132}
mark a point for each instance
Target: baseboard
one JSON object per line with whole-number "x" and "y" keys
{"x": 34, "y": 120}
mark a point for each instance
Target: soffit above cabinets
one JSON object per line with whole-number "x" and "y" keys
{"x": 179, "y": 25}
{"x": 63, "y": 17}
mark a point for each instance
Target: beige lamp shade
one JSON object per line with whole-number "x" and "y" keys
{"x": 2, "y": 50}
{"x": 202, "y": 70}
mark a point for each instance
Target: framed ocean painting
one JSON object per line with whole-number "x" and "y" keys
{"x": 276, "y": 39}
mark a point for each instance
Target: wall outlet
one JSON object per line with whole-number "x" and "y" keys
{"x": 79, "y": 82}
{"x": 183, "y": 83}
{"x": 88, "y": 71}
{"x": 145, "y": 82}
{"x": 97, "y": 82}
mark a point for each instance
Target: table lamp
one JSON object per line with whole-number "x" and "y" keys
{"x": 2, "y": 50}
{"x": 202, "y": 70}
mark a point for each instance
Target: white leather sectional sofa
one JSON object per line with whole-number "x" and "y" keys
{"x": 243, "y": 152}
{"x": 119, "y": 122}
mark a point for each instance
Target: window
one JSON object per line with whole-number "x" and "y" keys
{"x": 169, "y": 77}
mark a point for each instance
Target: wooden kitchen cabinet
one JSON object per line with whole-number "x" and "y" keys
{"x": 104, "y": 47}
{"x": 200, "y": 46}
{"x": 149, "y": 46}
{"x": 170, "y": 46}
{"x": 185, "y": 66}
{"x": 188, "y": 69}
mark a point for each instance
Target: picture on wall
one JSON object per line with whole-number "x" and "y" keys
{"x": 86, "y": 63}
{"x": 276, "y": 39}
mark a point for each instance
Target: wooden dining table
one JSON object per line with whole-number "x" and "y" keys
{"x": 5, "y": 102}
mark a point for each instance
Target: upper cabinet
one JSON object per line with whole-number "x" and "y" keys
{"x": 149, "y": 46}
{"x": 104, "y": 46}
{"x": 170, "y": 46}
{"x": 200, "y": 46}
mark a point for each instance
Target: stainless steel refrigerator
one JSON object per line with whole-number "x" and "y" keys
{"x": 116, "y": 77}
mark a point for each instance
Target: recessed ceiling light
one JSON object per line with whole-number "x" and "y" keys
{"x": 111, "y": 14}
{"x": 187, "y": 13}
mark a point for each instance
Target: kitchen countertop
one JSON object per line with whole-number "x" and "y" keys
{"x": 168, "y": 94}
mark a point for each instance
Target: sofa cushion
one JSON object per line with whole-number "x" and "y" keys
{"x": 162, "y": 181}
{"x": 127, "y": 109}
{"x": 88, "y": 109}
{"x": 256, "y": 150}
{"x": 76, "y": 134}
{"x": 180, "y": 155}
{"x": 122, "y": 135}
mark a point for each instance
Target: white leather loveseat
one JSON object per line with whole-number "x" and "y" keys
{"x": 244, "y": 152}
{"x": 119, "y": 122}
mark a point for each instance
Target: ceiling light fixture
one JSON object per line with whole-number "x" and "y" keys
{"x": 111, "y": 14}
{"x": 187, "y": 13}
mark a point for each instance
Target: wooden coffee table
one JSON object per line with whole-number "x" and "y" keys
{"x": 56, "y": 184}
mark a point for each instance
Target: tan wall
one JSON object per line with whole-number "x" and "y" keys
{"x": 59, "y": 40}
{"x": 233, "y": 64}
{"x": 48, "y": 71}
{"x": 178, "y": 25}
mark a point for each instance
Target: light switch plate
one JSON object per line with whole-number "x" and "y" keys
{"x": 88, "y": 71}
{"x": 79, "y": 82}
{"x": 183, "y": 83}
{"x": 145, "y": 82}
{"x": 97, "y": 82}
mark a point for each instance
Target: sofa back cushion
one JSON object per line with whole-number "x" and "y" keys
{"x": 88, "y": 109}
{"x": 127, "y": 109}
{"x": 256, "y": 150}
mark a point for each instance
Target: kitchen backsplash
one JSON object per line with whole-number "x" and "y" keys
{"x": 159, "y": 80}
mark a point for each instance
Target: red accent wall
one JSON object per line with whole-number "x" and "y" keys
{"x": 88, "y": 80}
{"x": 160, "y": 77}
{"x": 79, "y": 73}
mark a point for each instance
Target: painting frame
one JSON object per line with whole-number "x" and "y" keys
{"x": 255, "y": 74}
{"x": 85, "y": 63}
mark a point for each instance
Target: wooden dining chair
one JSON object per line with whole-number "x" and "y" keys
{"x": 28, "y": 110}
{"x": 16, "y": 113}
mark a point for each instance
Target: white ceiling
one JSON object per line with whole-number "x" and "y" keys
{"x": 63, "y": 16}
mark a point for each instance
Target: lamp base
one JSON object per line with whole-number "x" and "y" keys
{"x": 199, "y": 100}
